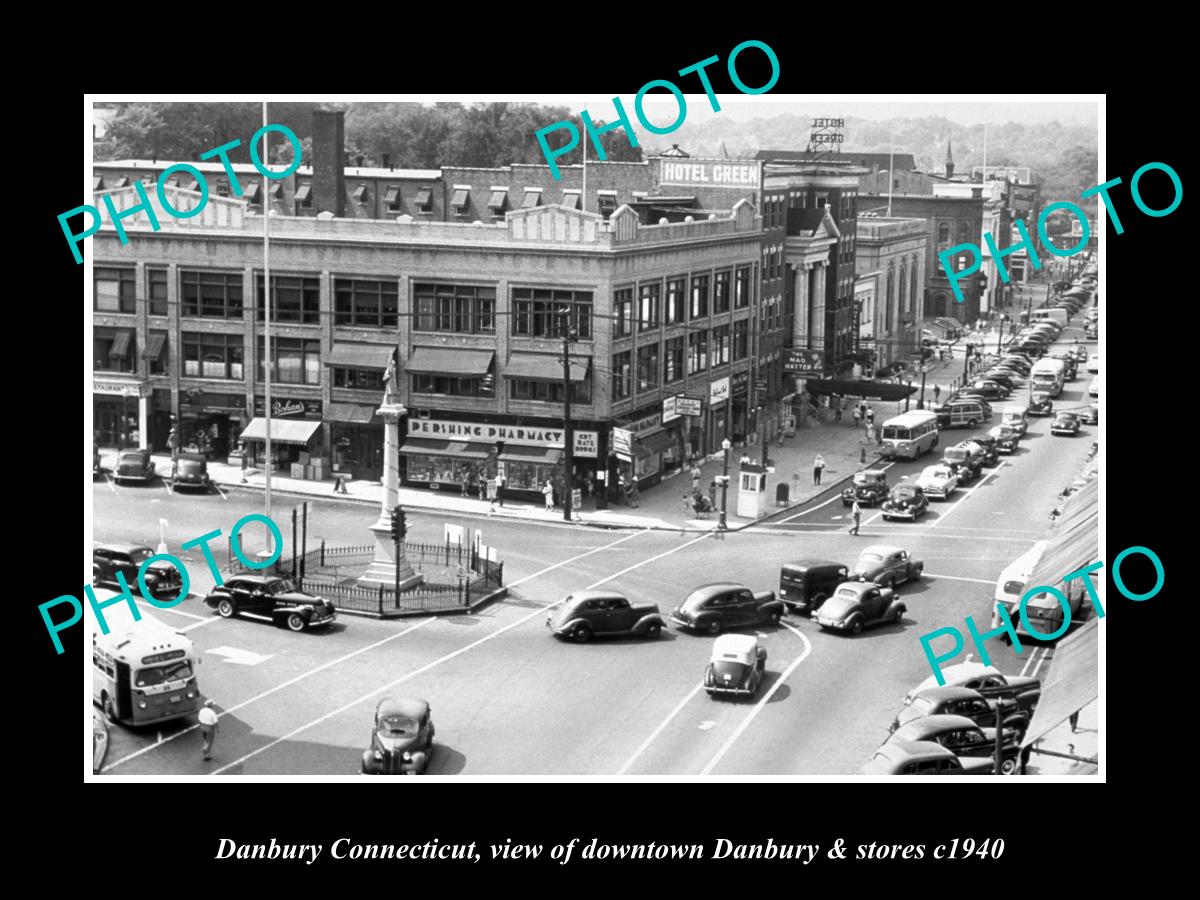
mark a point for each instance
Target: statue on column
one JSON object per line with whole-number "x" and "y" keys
{"x": 391, "y": 391}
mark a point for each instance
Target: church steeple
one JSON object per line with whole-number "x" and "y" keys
{"x": 949, "y": 159}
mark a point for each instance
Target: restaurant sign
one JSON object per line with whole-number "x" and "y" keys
{"x": 122, "y": 388}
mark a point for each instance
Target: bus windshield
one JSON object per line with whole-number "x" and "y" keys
{"x": 179, "y": 671}
{"x": 893, "y": 432}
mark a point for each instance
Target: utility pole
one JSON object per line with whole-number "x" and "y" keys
{"x": 568, "y": 336}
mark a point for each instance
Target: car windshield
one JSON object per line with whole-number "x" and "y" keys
{"x": 399, "y": 726}
{"x": 904, "y": 492}
{"x": 920, "y": 707}
{"x": 138, "y": 554}
{"x": 131, "y": 457}
{"x": 180, "y": 671}
{"x": 868, "y": 558}
{"x": 279, "y": 586}
{"x": 190, "y": 465}
{"x": 956, "y": 454}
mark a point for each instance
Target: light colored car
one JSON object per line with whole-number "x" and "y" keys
{"x": 887, "y": 565}
{"x": 857, "y": 604}
{"x": 738, "y": 665}
{"x": 987, "y": 680}
{"x": 1094, "y": 387}
{"x": 1093, "y": 365}
{"x": 938, "y": 482}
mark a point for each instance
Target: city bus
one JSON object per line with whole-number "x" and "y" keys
{"x": 144, "y": 673}
{"x": 909, "y": 435}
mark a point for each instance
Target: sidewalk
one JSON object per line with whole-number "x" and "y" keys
{"x": 1084, "y": 742}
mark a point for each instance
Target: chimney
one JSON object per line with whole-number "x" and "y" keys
{"x": 329, "y": 161}
{"x": 387, "y": 161}
{"x": 358, "y": 161}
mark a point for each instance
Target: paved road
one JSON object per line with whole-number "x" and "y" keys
{"x": 507, "y": 698}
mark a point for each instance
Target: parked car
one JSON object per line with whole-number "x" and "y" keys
{"x": 961, "y": 701}
{"x": 1093, "y": 365}
{"x": 401, "y": 738}
{"x": 857, "y": 604}
{"x": 738, "y": 665}
{"x": 906, "y": 501}
{"x": 923, "y": 758}
{"x": 715, "y": 607}
{"x": 1090, "y": 415}
{"x": 588, "y": 613}
{"x": 989, "y": 390}
{"x": 868, "y": 488}
{"x": 1065, "y": 423}
{"x": 1094, "y": 387}
{"x": 273, "y": 596}
{"x": 1070, "y": 366}
{"x": 938, "y": 482}
{"x": 965, "y": 460}
{"x": 988, "y": 681}
{"x": 1005, "y": 377}
{"x": 95, "y": 460}
{"x": 133, "y": 465}
{"x": 1092, "y": 331}
{"x": 1006, "y": 438}
{"x": 987, "y": 443}
{"x": 1040, "y": 404}
{"x": 190, "y": 470}
{"x": 963, "y": 738}
{"x": 163, "y": 580}
{"x": 806, "y": 584}
{"x": 887, "y": 565}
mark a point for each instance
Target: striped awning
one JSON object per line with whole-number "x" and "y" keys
{"x": 283, "y": 431}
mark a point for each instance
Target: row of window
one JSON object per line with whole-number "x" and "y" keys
{"x": 943, "y": 233}
{"x": 680, "y": 357}
{"x": 653, "y": 308}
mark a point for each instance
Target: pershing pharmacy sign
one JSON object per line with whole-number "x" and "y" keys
{"x": 528, "y": 435}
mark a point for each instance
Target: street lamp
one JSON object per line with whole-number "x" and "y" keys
{"x": 1000, "y": 336}
{"x": 725, "y": 447}
{"x": 921, "y": 401}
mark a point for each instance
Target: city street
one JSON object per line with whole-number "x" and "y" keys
{"x": 508, "y": 698}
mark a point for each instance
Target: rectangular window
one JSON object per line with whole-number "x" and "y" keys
{"x": 156, "y": 291}
{"x": 114, "y": 349}
{"x": 549, "y": 391}
{"x": 673, "y": 360}
{"x": 647, "y": 368}
{"x": 623, "y": 310}
{"x": 648, "y": 299}
{"x": 720, "y": 345}
{"x": 296, "y": 299}
{"x": 741, "y": 289}
{"x": 741, "y": 339}
{"x": 115, "y": 289}
{"x": 158, "y": 362}
{"x": 674, "y": 308}
{"x": 697, "y": 352}
{"x": 359, "y": 379}
{"x": 373, "y": 304}
{"x": 215, "y": 295}
{"x": 538, "y": 312}
{"x": 296, "y": 361}
{"x": 213, "y": 355}
{"x": 621, "y": 375}
{"x": 608, "y": 204}
{"x": 452, "y": 386}
{"x": 699, "y": 297}
{"x": 392, "y": 198}
{"x": 721, "y": 293}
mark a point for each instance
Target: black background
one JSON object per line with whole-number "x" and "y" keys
{"x": 135, "y": 833}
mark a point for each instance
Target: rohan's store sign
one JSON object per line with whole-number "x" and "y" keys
{"x": 529, "y": 435}
{"x": 289, "y": 408}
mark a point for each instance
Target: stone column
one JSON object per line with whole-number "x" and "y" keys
{"x": 818, "y": 307}
{"x": 800, "y": 316}
{"x": 383, "y": 568}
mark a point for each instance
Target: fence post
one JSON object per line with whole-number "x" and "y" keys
{"x": 322, "y": 551}
{"x": 500, "y": 574}
{"x": 381, "y": 598}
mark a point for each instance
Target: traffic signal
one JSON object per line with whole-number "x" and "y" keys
{"x": 399, "y": 525}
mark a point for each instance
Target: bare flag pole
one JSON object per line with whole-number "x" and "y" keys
{"x": 891, "y": 168}
{"x": 267, "y": 318}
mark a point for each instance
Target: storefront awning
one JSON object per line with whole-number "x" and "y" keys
{"x": 447, "y": 361}
{"x": 657, "y": 442}
{"x": 1073, "y": 682}
{"x": 154, "y": 345}
{"x": 545, "y": 366}
{"x": 351, "y": 355}
{"x": 1074, "y": 541}
{"x": 543, "y": 455}
{"x": 430, "y": 447}
{"x": 283, "y": 431}
{"x": 870, "y": 390}
{"x": 355, "y": 413}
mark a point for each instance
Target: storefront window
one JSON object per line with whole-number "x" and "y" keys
{"x": 442, "y": 470}
{"x": 215, "y": 295}
{"x": 521, "y": 476}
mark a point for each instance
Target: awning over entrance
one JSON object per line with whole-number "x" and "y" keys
{"x": 543, "y": 455}
{"x": 1072, "y": 684}
{"x": 1074, "y": 541}
{"x": 356, "y": 413}
{"x": 871, "y": 390}
{"x": 656, "y": 442}
{"x": 430, "y": 447}
{"x": 545, "y": 366}
{"x": 283, "y": 431}
{"x": 349, "y": 355}
{"x": 447, "y": 361}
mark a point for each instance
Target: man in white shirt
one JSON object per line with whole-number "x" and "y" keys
{"x": 208, "y": 727}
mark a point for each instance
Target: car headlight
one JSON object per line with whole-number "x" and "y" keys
{"x": 407, "y": 756}
{"x": 141, "y": 704}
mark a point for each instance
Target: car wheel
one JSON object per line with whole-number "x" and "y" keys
{"x": 898, "y": 616}
{"x": 816, "y": 602}
{"x": 916, "y": 575}
{"x": 714, "y": 626}
{"x": 653, "y": 630}
{"x": 774, "y": 617}
{"x": 856, "y": 625}
{"x": 889, "y": 582}
{"x": 1008, "y": 766}
{"x": 971, "y": 423}
{"x": 226, "y": 609}
{"x": 581, "y": 633}
{"x": 295, "y": 622}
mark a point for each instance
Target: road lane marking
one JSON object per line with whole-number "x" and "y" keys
{"x": 112, "y": 486}
{"x": 1045, "y": 656}
{"x": 459, "y": 652}
{"x": 965, "y": 497}
{"x": 221, "y": 492}
{"x": 166, "y": 486}
{"x": 657, "y": 731}
{"x": 1029, "y": 661}
{"x": 893, "y": 530}
{"x": 180, "y": 612}
{"x": 200, "y": 624}
{"x": 959, "y": 578}
{"x": 745, "y": 723}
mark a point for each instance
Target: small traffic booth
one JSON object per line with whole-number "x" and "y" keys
{"x": 752, "y": 492}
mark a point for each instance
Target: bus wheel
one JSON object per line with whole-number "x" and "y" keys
{"x": 110, "y": 709}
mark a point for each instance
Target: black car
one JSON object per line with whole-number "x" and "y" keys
{"x": 133, "y": 465}
{"x": 965, "y": 460}
{"x": 1003, "y": 377}
{"x": 1065, "y": 423}
{"x": 1090, "y": 415}
{"x": 989, "y": 390}
{"x": 991, "y": 455}
{"x": 961, "y": 701}
{"x": 714, "y": 607}
{"x": 1040, "y": 404}
{"x": 190, "y": 470}
{"x": 964, "y": 738}
{"x": 906, "y": 501}
{"x": 805, "y": 585}
{"x": 163, "y": 580}
{"x": 273, "y": 596}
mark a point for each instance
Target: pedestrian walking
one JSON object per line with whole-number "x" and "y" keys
{"x": 837, "y": 408}
{"x": 870, "y": 416}
{"x": 208, "y": 728}
{"x": 339, "y": 485}
{"x": 871, "y": 433}
{"x": 695, "y": 478}
{"x": 633, "y": 492}
{"x": 500, "y": 479}
{"x": 856, "y": 513}
{"x": 937, "y": 392}
{"x": 548, "y": 493}
{"x": 857, "y": 416}
{"x": 818, "y": 466}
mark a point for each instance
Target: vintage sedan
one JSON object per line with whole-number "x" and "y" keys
{"x": 963, "y": 738}
{"x": 1040, "y": 404}
{"x": 1065, "y": 423}
{"x": 738, "y": 665}
{"x": 715, "y": 607}
{"x": 906, "y": 501}
{"x": 1090, "y": 415}
{"x": 887, "y": 566}
{"x": 190, "y": 470}
{"x": 938, "y": 482}
{"x": 163, "y": 580}
{"x": 806, "y": 584}
{"x": 401, "y": 739}
{"x": 990, "y": 390}
{"x": 988, "y": 681}
{"x": 272, "y": 596}
{"x": 1094, "y": 387}
{"x": 961, "y": 701}
{"x": 857, "y": 604}
{"x": 133, "y": 465}
{"x": 923, "y": 758}
{"x": 588, "y": 613}
{"x": 965, "y": 460}
{"x": 1007, "y": 438}
{"x": 869, "y": 487}
{"x": 987, "y": 443}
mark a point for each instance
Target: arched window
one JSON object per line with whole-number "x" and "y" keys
{"x": 913, "y": 292}
{"x": 900, "y": 305}
{"x": 963, "y": 233}
{"x": 944, "y": 233}
{"x": 939, "y": 305}
{"x": 887, "y": 299}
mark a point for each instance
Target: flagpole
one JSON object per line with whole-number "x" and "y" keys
{"x": 891, "y": 168}
{"x": 267, "y": 318}
{"x": 583, "y": 196}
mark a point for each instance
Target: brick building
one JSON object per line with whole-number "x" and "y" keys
{"x": 891, "y": 262}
